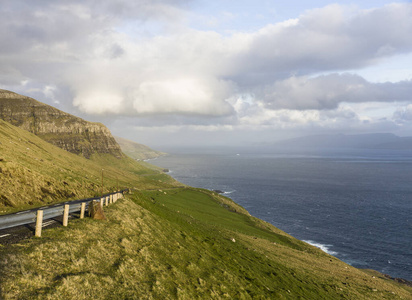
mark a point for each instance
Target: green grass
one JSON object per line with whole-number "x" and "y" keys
{"x": 204, "y": 207}
{"x": 34, "y": 173}
{"x": 154, "y": 246}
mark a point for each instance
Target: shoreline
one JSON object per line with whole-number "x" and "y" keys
{"x": 325, "y": 249}
{"x": 400, "y": 279}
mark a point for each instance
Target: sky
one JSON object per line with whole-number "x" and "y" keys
{"x": 195, "y": 72}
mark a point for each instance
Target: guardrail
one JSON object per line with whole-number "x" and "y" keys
{"x": 56, "y": 210}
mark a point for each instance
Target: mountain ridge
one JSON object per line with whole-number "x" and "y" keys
{"x": 356, "y": 141}
{"x": 59, "y": 128}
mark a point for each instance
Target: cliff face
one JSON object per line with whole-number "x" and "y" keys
{"x": 57, "y": 127}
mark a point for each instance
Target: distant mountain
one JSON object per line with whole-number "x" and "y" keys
{"x": 403, "y": 143}
{"x": 359, "y": 141}
{"x": 57, "y": 127}
{"x": 137, "y": 151}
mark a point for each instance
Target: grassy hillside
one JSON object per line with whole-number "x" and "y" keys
{"x": 34, "y": 172}
{"x": 137, "y": 151}
{"x": 180, "y": 244}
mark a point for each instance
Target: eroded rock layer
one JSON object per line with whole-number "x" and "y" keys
{"x": 57, "y": 127}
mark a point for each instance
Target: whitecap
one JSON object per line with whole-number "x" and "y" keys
{"x": 323, "y": 247}
{"x": 230, "y": 192}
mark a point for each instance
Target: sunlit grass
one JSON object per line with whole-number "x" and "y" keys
{"x": 34, "y": 172}
{"x": 155, "y": 246}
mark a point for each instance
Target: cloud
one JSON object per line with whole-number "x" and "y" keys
{"x": 321, "y": 39}
{"x": 403, "y": 115}
{"x": 139, "y": 59}
{"x": 257, "y": 115}
{"x": 328, "y": 91}
{"x": 331, "y": 38}
{"x": 185, "y": 95}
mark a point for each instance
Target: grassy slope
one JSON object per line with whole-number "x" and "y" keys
{"x": 137, "y": 151}
{"x": 34, "y": 172}
{"x": 180, "y": 243}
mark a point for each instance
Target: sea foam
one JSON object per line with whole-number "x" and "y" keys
{"x": 229, "y": 192}
{"x": 323, "y": 247}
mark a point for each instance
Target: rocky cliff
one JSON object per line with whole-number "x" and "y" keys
{"x": 57, "y": 127}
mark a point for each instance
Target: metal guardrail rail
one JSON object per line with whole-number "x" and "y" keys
{"x": 49, "y": 212}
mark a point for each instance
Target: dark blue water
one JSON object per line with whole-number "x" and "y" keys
{"x": 356, "y": 206}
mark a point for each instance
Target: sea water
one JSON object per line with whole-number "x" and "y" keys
{"x": 354, "y": 205}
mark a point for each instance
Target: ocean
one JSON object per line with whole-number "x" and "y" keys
{"x": 355, "y": 205}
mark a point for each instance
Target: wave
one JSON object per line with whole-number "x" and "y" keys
{"x": 223, "y": 192}
{"x": 230, "y": 192}
{"x": 323, "y": 247}
{"x": 150, "y": 159}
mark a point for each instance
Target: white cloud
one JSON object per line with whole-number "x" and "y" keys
{"x": 403, "y": 115}
{"x": 99, "y": 101}
{"x": 138, "y": 58}
{"x": 331, "y": 38}
{"x": 185, "y": 95}
{"x": 328, "y": 91}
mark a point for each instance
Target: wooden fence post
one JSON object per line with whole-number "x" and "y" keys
{"x": 111, "y": 199}
{"x": 107, "y": 200}
{"x": 66, "y": 214}
{"x": 101, "y": 202}
{"x": 83, "y": 208}
{"x": 39, "y": 223}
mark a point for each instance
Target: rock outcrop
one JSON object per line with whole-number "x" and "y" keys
{"x": 57, "y": 127}
{"x": 96, "y": 211}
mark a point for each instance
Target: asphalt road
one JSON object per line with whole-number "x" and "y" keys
{"x": 16, "y": 234}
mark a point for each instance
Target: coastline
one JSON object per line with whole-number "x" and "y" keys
{"x": 216, "y": 185}
{"x": 324, "y": 247}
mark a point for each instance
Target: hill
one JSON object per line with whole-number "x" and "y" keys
{"x": 137, "y": 151}
{"x": 57, "y": 127}
{"x": 180, "y": 244}
{"x": 33, "y": 172}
